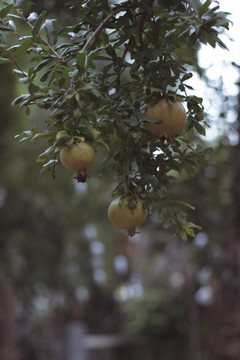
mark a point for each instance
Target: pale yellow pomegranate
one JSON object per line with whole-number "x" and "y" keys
{"x": 173, "y": 118}
{"x": 78, "y": 157}
{"x": 124, "y": 218}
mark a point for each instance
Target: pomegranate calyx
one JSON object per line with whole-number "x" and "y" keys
{"x": 82, "y": 177}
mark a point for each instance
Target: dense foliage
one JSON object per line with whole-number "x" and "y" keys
{"x": 96, "y": 77}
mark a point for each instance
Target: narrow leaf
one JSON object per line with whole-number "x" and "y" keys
{"x": 187, "y": 76}
{"x": 32, "y": 17}
{"x": 27, "y": 5}
{"x": 188, "y": 230}
{"x": 38, "y": 24}
{"x": 5, "y": 11}
{"x": 2, "y": 28}
{"x": 12, "y": 25}
{"x": 196, "y": 5}
{"x": 41, "y": 65}
{"x": 25, "y": 45}
{"x": 81, "y": 56}
{"x": 162, "y": 211}
{"x": 44, "y": 135}
{"x": 200, "y": 129}
{"x": 49, "y": 165}
{"x": 204, "y": 7}
{"x": 45, "y": 155}
{"x": 19, "y": 99}
{"x": 4, "y": 60}
{"x": 182, "y": 234}
{"x": 48, "y": 25}
{"x": 183, "y": 203}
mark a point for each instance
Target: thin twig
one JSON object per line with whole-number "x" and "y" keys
{"x": 141, "y": 25}
{"x": 9, "y": 27}
{"x": 37, "y": 97}
{"x": 126, "y": 165}
{"x": 117, "y": 80}
{"x": 102, "y": 25}
{"x": 14, "y": 62}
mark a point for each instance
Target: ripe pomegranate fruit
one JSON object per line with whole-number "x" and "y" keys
{"x": 78, "y": 157}
{"x": 124, "y": 218}
{"x": 173, "y": 118}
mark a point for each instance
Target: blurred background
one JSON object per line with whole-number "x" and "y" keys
{"x": 74, "y": 288}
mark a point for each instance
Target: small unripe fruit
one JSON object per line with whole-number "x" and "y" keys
{"x": 124, "y": 218}
{"x": 78, "y": 157}
{"x": 173, "y": 118}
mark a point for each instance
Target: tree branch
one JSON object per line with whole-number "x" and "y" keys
{"x": 14, "y": 62}
{"x": 102, "y": 25}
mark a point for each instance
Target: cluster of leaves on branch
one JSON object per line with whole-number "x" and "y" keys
{"x": 97, "y": 76}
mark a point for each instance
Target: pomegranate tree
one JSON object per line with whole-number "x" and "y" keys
{"x": 94, "y": 79}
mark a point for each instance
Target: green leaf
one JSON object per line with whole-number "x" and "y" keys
{"x": 188, "y": 230}
{"x": 41, "y": 65}
{"x": 13, "y": 48}
{"x": 4, "y": 60}
{"x": 103, "y": 144}
{"x": 187, "y": 76}
{"x": 5, "y": 11}
{"x": 32, "y": 16}
{"x": 209, "y": 39}
{"x": 27, "y": 5}
{"x": 200, "y": 129}
{"x": 12, "y": 25}
{"x": 38, "y": 24}
{"x": 48, "y": 26}
{"x": 49, "y": 165}
{"x": 26, "y": 135}
{"x": 46, "y": 154}
{"x": 19, "y": 99}
{"x": 219, "y": 42}
{"x": 2, "y": 28}
{"x": 25, "y": 45}
{"x": 196, "y": 5}
{"x": 204, "y": 7}
{"x": 32, "y": 88}
{"x": 92, "y": 56}
{"x": 20, "y": 73}
{"x": 168, "y": 223}
{"x": 192, "y": 225}
{"x": 132, "y": 204}
{"x": 44, "y": 135}
{"x": 14, "y": 16}
{"x": 185, "y": 204}
{"x": 81, "y": 56}
{"x": 182, "y": 233}
{"x": 162, "y": 211}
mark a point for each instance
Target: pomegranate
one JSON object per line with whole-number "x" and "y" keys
{"x": 78, "y": 157}
{"x": 124, "y": 218}
{"x": 173, "y": 118}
